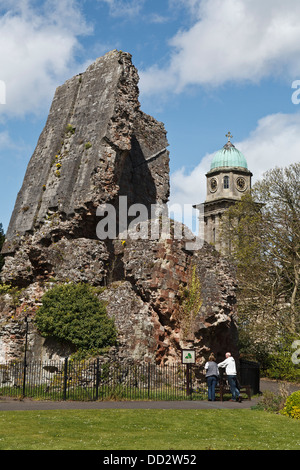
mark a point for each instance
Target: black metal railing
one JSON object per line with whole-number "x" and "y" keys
{"x": 95, "y": 380}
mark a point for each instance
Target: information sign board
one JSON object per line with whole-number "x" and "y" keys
{"x": 188, "y": 356}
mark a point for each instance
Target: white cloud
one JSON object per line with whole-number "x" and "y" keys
{"x": 5, "y": 140}
{"x": 157, "y": 19}
{"x": 37, "y": 50}
{"x": 189, "y": 188}
{"x": 274, "y": 142}
{"x": 230, "y": 41}
{"x": 129, "y": 8}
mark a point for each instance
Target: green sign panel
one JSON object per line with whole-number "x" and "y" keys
{"x": 188, "y": 356}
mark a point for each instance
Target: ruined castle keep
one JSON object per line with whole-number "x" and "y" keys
{"x": 96, "y": 146}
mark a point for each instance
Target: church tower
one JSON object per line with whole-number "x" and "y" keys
{"x": 226, "y": 182}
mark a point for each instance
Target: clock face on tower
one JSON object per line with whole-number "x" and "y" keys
{"x": 241, "y": 183}
{"x": 213, "y": 185}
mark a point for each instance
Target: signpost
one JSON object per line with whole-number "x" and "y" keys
{"x": 188, "y": 357}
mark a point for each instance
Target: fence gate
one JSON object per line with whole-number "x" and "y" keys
{"x": 250, "y": 375}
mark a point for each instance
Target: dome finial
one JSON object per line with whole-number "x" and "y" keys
{"x": 228, "y": 156}
{"x": 229, "y": 136}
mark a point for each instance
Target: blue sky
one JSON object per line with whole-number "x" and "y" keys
{"x": 206, "y": 67}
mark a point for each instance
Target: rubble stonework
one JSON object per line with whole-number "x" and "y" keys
{"x": 97, "y": 145}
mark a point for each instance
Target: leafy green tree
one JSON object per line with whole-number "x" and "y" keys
{"x": 279, "y": 191}
{"x": 2, "y": 238}
{"x": 279, "y": 364}
{"x": 262, "y": 236}
{"x": 73, "y": 314}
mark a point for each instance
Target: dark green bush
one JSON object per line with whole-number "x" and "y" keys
{"x": 73, "y": 314}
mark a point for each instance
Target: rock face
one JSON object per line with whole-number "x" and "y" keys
{"x": 96, "y": 145}
{"x": 98, "y": 148}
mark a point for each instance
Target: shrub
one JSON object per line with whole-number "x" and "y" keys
{"x": 292, "y": 406}
{"x": 73, "y": 314}
{"x": 279, "y": 365}
{"x": 269, "y": 402}
{"x": 190, "y": 301}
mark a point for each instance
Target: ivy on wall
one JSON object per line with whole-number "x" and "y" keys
{"x": 190, "y": 301}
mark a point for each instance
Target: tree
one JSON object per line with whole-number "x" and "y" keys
{"x": 262, "y": 236}
{"x": 2, "y": 238}
{"x": 73, "y": 314}
{"x": 280, "y": 192}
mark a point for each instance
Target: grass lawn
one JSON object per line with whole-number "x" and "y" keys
{"x": 147, "y": 430}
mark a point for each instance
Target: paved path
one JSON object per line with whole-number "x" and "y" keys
{"x": 275, "y": 386}
{"x": 27, "y": 404}
{"x": 14, "y": 405}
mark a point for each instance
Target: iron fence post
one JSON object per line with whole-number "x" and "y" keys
{"x": 188, "y": 381}
{"x": 65, "y": 379}
{"x": 25, "y": 357}
{"x": 97, "y": 379}
{"x": 148, "y": 380}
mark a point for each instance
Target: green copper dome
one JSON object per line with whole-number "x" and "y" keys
{"x": 228, "y": 156}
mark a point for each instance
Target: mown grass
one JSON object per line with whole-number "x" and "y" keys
{"x": 147, "y": 430}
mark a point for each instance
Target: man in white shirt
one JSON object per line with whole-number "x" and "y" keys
{"x": 230, "y": 369}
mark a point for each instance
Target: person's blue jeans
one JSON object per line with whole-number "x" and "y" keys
{"x": 233, "y": 388}
{"x": 211, "y": 384}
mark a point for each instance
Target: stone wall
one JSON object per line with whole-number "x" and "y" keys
{"x": 143, "y": 296}
{"x": 97, "y": 145}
